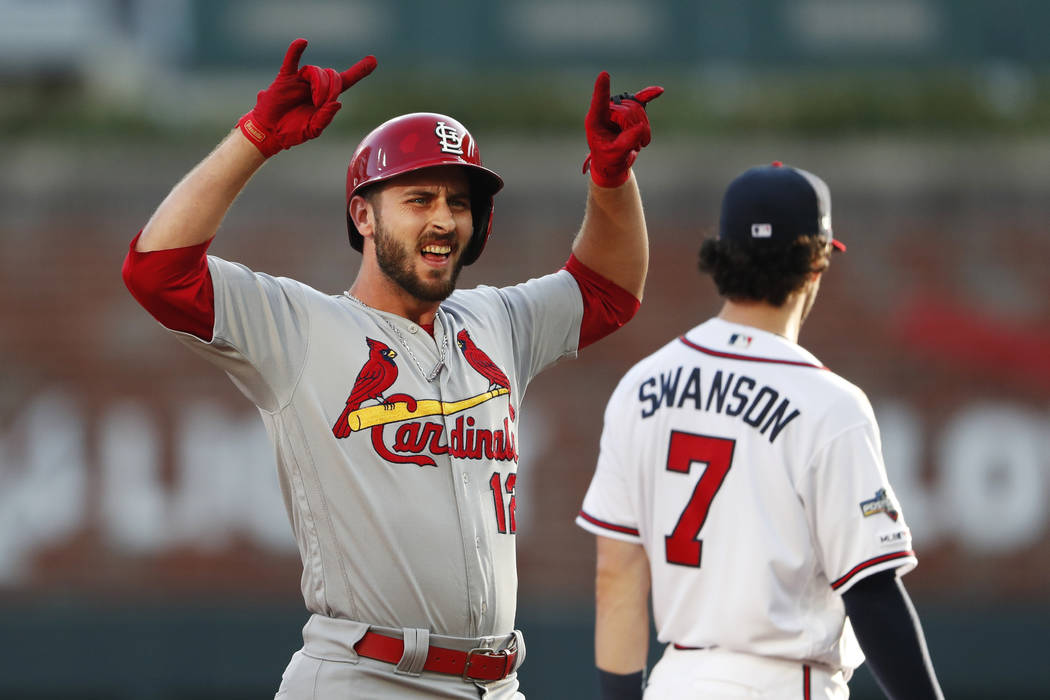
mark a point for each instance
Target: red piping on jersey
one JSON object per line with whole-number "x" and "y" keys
{"x": 805, "y": 681}
{"x": 731, "y": 356}
{"x": 839, "y": 583}
{"x": 609, "y": 526}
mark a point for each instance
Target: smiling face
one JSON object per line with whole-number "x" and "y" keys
{"x": 420, "y": 226}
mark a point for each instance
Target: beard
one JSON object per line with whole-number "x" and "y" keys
{"x": 397, "y": 262}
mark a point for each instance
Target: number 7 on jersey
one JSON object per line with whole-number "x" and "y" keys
{"x": 682, "y": 546}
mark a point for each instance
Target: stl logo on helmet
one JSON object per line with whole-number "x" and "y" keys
{"x": 451, "y": 139}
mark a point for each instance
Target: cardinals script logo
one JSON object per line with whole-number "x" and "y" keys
{"x": 414, "y": 441}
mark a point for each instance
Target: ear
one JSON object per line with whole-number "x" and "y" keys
{"x": 360, "y": 211}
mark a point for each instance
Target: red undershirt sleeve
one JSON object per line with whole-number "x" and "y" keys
{"x": 174, "y": 286}
{"x": 606, "y": 305}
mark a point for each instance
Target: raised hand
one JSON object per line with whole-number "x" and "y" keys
{"x": 299, "y": 103}
{"x": 617, "y": 128}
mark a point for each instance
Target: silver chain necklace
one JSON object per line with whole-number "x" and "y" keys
{"x": 429, "y": 376}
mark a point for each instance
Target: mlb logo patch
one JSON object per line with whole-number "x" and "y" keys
{"x": 761, "y": 230}
{"x": 740, "y": 340}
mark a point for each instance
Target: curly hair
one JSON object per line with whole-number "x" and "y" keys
{"x": 762, "y": 272}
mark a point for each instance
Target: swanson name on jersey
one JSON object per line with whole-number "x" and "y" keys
{"x": 728, "y": 393}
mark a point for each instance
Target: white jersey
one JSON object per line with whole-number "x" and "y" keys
{"x": 396, "y": 451}
{"x": 754, "y": 478}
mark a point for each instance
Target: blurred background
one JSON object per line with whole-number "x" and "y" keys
{"x": 144, "y": 550}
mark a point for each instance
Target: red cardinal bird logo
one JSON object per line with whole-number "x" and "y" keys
{"x": 374, "y": 378}
{"x": 483, "y": 365}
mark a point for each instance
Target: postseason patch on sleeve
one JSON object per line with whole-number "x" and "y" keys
{"x": 881, "y": 503}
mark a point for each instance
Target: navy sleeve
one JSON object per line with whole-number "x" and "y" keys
{"x": 616, "y": 686}
{"x": 888, "y": 630}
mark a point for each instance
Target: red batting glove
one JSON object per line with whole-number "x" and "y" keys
{"x": 617, "y": 128}
{"x": 299, "y": 103}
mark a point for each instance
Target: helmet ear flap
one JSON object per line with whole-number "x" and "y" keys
{"x": 481, "y": 209}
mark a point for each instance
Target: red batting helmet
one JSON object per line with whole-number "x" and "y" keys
{"x": 423, "y": 140}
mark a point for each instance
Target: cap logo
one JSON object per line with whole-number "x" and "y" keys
{"x": 761, "y": 230}
{"x": 451, "y": 139}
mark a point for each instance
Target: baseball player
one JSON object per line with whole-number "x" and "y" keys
{"x": 392, "y": 405}
{"x": 743, "y": 482}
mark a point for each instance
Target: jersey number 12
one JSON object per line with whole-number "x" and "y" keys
{"x": 505, "y": 519}
{"x": 682, "y": 546}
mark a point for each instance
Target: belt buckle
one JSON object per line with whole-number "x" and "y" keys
{"x": 490, "y": 653}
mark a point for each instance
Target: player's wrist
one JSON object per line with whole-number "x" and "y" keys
{"x": 609, "y": 176}
{"x": 239, "y": 150}
{"x": 620, "y": 686}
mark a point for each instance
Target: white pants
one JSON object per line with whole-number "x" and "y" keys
{"x": 717, "y": 674}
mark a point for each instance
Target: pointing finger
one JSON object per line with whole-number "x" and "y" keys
{"x": 357, "y": 71}
{"x": 291, "y": 57}
{"x": 600, "y": 99}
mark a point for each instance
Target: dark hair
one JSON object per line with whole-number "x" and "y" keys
{"x": 763, "y": 271}
{"x": 370, "y": 192}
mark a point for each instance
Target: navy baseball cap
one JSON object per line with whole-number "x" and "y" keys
{"x": 778, "y": 203}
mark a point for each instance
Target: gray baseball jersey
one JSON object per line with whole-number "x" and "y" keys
{"x": 396, "y": 451}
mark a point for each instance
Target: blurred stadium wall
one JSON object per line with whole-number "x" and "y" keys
{"x": 144, "y": 550}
